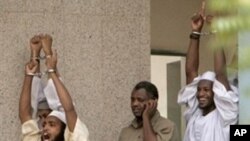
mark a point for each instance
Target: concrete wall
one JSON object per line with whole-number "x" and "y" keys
{"x": 103, "y": 47}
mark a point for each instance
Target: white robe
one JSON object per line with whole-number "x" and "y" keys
{"x": 215, "y": 125}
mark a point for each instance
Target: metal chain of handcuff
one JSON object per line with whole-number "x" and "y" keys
{"x": 204, "y": 33}
{"x": 40, "y": 74}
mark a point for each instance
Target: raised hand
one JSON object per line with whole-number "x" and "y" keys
{"x": 47, "y": 44}
{"x": 51, "y": 61}
{"x": 198, "y": 19}
{"x": 35, "y": 46}
{"x": 30, "y": 67}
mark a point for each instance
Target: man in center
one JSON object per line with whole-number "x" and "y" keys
{"x": 148, "y": 124}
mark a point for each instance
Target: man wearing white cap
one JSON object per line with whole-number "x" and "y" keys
{"x": 63, "y": 114}
{"x": 211, "y": 102}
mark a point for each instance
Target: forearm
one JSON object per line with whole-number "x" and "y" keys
{"x": 192, "y": 60}
{"x": 219, "y": 62}
{"x": 63, "y": 93}
{"x": 25, "y": 100}
{"x": 148, "y": 132}
{"x": 66, "y": 101}
{"x": 220, "y": 67}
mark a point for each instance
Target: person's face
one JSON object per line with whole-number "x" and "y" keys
{"x": 42, "y": 114}
{"x": 51, "y": 128}
{"x": 138, "y": 100}
{"x": 205, "y": 94}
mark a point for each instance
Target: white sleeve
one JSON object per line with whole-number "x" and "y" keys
{"x": 30, "y": 131}
{"x": 226, "y": 102}
{"x": 51, "y": 96}
{"x": 187, "y": 97}
{"x": 36, "y": 94}
{"x": 80, "y": 132}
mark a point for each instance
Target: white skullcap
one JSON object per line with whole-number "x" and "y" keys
{"x": 209, "y": 75}
{"x": 59, "y": 114}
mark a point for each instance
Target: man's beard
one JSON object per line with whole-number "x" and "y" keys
{"x": 60, "y": 136}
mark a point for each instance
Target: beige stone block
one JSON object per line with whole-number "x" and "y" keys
{"x": 43, "y": 6}
{"x": 127, "y": 7}
{"x": 12, "y": 6}
{"x": 85, "y": 7}
{"x": 121, "y": 74}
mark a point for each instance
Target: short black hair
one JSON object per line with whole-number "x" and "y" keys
{"x": 150, "y": 88}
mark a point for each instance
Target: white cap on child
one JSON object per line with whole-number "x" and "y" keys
{"x": 59, "y": 114}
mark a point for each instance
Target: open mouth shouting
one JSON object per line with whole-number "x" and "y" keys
{"x": 46, "y": 136}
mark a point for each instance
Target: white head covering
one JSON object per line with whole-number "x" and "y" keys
{"x": 209, "y": 75}
{"x": 59, "y": 114}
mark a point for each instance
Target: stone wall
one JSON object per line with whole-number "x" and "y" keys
{"x": 103, "y": 48}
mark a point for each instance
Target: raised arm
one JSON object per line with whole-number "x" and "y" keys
{"x": 32, "y": 67}
{"x": 192, "y": 58}
{"x": 25, "y": 97}
{"x": 220, "y": 68}
{"x": 63, "y": 94}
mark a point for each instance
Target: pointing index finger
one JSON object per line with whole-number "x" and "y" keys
{"x": 203, "y": 5}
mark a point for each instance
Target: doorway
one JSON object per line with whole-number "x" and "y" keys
{"x": 168, "y": 74}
